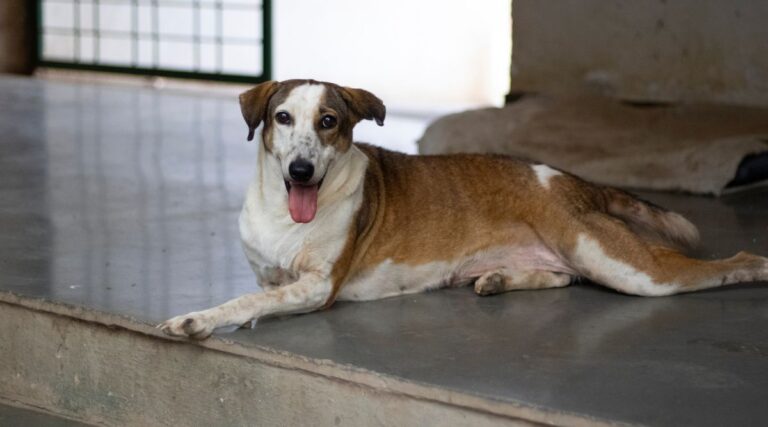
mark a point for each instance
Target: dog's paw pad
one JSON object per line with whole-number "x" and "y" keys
{"x": 192, "y": 325}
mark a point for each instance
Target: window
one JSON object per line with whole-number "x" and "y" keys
{"x": 206, "y": 39}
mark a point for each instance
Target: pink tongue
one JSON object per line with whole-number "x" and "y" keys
{"x": 302, "y": 202}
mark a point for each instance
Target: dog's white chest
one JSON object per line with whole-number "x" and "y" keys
{"x": 273, "y": 243}
{"x": 270, "y": 245}
{"x": 279, "y": 249}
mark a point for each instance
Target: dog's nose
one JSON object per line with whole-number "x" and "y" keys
{"x": 301, "y": 170}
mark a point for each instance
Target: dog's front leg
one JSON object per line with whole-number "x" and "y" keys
{"x": 308, "y": 293}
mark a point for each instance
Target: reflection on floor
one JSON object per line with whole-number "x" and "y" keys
{"x": 125, "y": 200}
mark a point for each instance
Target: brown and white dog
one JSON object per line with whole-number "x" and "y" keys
{"x": 327, "y": 219}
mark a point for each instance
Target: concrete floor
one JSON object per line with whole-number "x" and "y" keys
{"x": 125, "y": 200}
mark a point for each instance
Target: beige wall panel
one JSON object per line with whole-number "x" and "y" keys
{"x": 668, "y": 50}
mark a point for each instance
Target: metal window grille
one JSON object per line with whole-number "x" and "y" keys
{"x": 204, "y": 39}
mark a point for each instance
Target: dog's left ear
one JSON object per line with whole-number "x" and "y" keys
{"x": 254, "y": 102}
{"x": 364, "y": 105}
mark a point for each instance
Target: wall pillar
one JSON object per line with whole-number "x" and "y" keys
{"x": 17, "y": 41}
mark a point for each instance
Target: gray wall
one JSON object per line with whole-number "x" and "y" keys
{"x": 668, "y": 50}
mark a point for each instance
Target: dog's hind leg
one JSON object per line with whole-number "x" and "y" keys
{"x": 504, "y": 280}
{"x": 606, "y": 251}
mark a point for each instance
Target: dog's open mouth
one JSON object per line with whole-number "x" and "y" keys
{"x": 302, "y": 200}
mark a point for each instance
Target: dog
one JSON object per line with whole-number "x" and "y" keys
{"x": 327, "y": 219}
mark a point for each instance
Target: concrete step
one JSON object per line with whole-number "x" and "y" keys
{"x": 109, "y": 369}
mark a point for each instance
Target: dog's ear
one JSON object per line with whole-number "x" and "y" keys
{"x": 364, "y": 105}
{"x": 254, "y": 102}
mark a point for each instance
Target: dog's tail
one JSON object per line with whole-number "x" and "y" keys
{"x": 651, "y": 221}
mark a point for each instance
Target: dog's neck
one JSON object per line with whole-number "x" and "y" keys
{"x": 345, "y": 177}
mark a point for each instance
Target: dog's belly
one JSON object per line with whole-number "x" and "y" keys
{"x": 391, "y": 279}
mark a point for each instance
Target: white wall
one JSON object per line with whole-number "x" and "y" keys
{"x": 429, "y": 55}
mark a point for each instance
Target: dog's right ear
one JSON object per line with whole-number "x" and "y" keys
{"x": 364, "y": 105}
{"x": 254, "y": 102}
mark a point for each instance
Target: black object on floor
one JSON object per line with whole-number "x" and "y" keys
{"x": 752, "y": 169}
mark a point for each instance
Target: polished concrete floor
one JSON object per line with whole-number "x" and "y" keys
{"x": 125, "y": 200}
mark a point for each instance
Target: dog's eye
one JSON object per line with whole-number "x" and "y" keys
{"x": 328, "y": 122}
{"x": 283, "y": 118}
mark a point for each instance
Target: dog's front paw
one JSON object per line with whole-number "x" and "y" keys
{"x": 196, "y": 325}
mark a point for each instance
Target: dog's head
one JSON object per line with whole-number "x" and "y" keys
{"x": 307, "y": 124}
